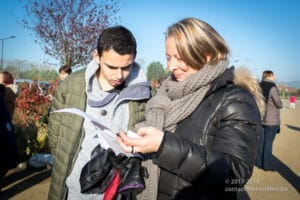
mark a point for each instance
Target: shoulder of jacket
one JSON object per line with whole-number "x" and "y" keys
{"x": 78, "y": 75}
{"x": 76, "y": 78}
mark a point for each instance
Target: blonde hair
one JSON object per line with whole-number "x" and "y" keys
{"x": 196, "y": 40}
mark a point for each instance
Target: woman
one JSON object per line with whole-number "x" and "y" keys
{"x": 201, "y": 127}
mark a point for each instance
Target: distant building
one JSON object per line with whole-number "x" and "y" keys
{"x": 286, "y": 88}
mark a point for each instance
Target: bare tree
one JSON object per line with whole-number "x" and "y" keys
{"x": 67, "y": 30}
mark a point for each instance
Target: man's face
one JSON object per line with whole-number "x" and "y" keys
{"x": 114, "y": 68}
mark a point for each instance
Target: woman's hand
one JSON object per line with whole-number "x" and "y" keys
{"x": 149, "y": 141}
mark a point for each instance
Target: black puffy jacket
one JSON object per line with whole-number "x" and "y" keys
{"x": 212, "y": 153}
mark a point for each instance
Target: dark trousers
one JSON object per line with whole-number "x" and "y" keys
{"x": 266, "y": 140}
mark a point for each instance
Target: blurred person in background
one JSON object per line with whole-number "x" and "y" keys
{"x": 10, "y": 96}
{"x": 292, "y": 102}
{"x": 271, "y": 120}
{"x": 64, "y": 72}
{"x": 8, "y": 141}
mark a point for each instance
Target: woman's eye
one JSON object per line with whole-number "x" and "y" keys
{"x": 178, "y": 59}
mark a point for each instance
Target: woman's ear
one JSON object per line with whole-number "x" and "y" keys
{"x": 208, "y": 58}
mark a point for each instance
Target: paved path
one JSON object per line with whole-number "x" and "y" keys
{"x": 282, "y": 184}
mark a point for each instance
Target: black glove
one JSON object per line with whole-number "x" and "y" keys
{"x": 97, "y": 174}
{"x": 133, "y": 178}
{"x": 132, "y": 175}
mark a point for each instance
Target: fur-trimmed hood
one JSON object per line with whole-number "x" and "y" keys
{"x": 244, "y": 78}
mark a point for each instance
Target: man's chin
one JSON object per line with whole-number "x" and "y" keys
{"x": 116, "y": 84}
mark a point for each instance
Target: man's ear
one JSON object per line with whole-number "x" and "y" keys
{"x": 96, "y": 57}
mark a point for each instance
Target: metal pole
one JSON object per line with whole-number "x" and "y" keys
{"x": 2, "y": 54}
{"x": 2, "y": 44}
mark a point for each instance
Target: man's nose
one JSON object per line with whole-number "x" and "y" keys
{"x": 119, "y": 74}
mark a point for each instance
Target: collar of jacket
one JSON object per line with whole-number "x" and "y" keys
{"x": 136, "y": 87}
{"x": 222, "y": 81}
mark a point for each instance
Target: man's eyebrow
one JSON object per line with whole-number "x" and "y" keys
{"x": 115, "y": 67}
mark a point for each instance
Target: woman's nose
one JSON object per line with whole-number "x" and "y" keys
{"x": 172, "y": 64}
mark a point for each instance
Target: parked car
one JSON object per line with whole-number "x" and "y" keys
{"x": 19, "y": 81}
{"x": 42, "y": 85}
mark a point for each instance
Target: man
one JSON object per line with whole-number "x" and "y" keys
{"x": 64, "y": 71}
{"x": 271, "y": 119}
{"x": 113, "y": 90}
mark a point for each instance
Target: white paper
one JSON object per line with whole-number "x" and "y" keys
{"x": 109, "y": 139}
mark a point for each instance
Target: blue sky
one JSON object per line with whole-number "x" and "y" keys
{"x": 262, "y": 34}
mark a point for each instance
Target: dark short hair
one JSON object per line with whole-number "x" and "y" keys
{"x": 118, "y": 38}
{"x": 8, "y": 78}
{"x": 267, "y": 73}
{"x": 65, "y": 68}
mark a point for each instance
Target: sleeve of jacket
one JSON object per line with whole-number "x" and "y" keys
{"x": 54, "y": 120}
{"x": 69, "y": 94}
{"x": 274, "y": 95}
{"x": 231, "y": 154}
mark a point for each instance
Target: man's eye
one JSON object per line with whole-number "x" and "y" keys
{"x": 113, "y": 68}
{"x": 126, "y": 68}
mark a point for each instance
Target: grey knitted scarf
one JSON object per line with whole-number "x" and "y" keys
{"x": 173, "y": 102}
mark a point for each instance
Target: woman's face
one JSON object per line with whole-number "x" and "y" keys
{"x": 175, "y": 63}
{"x": 1, "y": 78}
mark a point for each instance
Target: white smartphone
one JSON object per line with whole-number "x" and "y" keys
{"x": 132, "y": 134}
